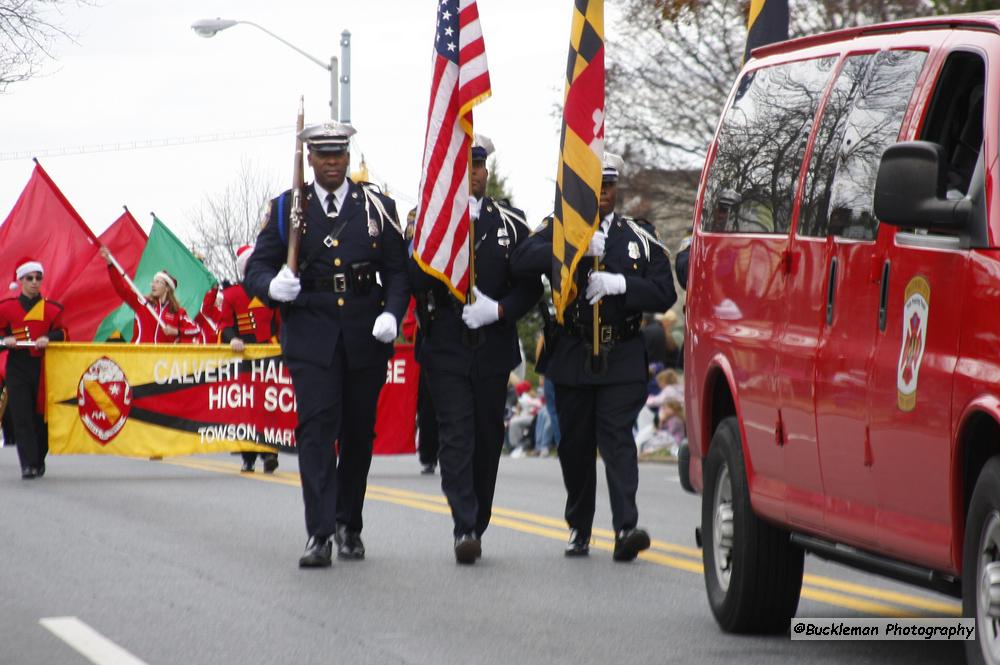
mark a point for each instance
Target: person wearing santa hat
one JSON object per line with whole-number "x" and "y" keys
{"x": 28, "y": 322}
{"x": 159, "y": 317}
{"x": 245, "y": 319}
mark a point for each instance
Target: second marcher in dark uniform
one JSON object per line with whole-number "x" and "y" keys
{"x": 338, "y": 326}
{"x": 246, "y": 319}
{"x": 467, "y": 353}
{"x": 597, "y": 409}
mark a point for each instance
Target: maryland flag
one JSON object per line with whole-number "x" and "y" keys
{"x": 767, "y": 23}
{"x": 578, "y": 181}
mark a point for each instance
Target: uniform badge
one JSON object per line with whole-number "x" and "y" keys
{"x": 633, "y": 249}
{"x": 503, "y": 238}
{"x": 373, "y": 229}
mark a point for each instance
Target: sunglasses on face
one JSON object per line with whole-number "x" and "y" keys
{"x": 32, "y": 278}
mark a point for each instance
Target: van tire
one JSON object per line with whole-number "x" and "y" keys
{"x": 756, "y": 587}
{"x": 684, "y": 468}
{"x": 981, "y": 547}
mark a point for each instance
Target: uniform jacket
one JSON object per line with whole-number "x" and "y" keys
{"x": 28, "y": 319}
{"x": 147, "y": 330}
{"x": 441, "y": 338}
{"x": 319, "y": 319}
{"x": 209, "y": 317}
{"x": 246, "y": 317}
{"x": 649, "y": 287}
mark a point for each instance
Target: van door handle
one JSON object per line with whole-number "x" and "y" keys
{"x": 830, "y": 289}
{"x": 883, "y": 303}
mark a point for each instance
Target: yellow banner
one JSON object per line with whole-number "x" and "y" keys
{"x": 143, "y": 400}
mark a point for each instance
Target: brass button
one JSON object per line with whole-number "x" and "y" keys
{"x": 374, "y": 245}
{"x": 336, "y": 243}
{"x": 336, "y": 262}
{"x": 635, "y": 266}
{"x": 340, "y": 302}
{"x": 600, "y": 266}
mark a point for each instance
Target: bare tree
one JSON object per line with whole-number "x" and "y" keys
{"x": 225, "y": 221}
{"x": 28, "y": 28}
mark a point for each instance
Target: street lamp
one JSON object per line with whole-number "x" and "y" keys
{"x": 208, "y": 27}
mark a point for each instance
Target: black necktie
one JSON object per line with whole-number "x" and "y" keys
{"x": 331, "y": 205}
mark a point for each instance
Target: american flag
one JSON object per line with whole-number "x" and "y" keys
{"x": 461, "y": 80}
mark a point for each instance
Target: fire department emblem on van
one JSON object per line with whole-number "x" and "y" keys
{"x": 916, "y": 309}
{"x": 104, "y": 399}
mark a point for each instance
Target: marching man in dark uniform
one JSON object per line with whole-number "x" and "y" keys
{"x": 28, "y": 322}
{"x": 467, "y": 353}
{"x": 339, "y": 321}
{"x": 245, "y": 319}
{"x": 597, "y": 408}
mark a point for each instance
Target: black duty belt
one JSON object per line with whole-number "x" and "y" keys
{"x": 610, "y": 333}
{"x": 357, "y": 279}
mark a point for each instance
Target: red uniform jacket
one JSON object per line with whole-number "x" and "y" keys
{"x": 209, "y": 317}
{"x": 27, "y": 320}
{"x": 147, "y": 330}
{"x": 247, "y": 317}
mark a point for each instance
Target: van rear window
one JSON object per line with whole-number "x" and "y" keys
{"x": 751, "y": 186}
{"x": 861, "y": 118}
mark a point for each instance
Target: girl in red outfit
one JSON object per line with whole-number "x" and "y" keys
{"x": 159, "y": 318}
{"x": 28, "y": 322}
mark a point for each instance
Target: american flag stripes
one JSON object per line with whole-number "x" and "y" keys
{"x": 461, "y": 80}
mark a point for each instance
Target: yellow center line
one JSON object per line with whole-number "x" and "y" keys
{"x": 815, "y": 587}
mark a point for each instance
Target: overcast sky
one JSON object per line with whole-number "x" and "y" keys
{"x": 137, "y": 72}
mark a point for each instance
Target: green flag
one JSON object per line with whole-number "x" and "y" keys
{"x": 163, "y": 252}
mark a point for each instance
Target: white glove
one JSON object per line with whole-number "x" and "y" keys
{"x": 603, "y": 284}
{"x": 597, "y": 242}
{"x": 384, "y": 329}
{"x": 482, "y": 312}
{"x": 285, "y": 286}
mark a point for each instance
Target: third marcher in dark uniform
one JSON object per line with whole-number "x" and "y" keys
{"x": 597, "y": 409}
{"x": 338, "y": 326}
{"x": 245, "y": 319}
{"x": 467, "y": 353}
{"x": 32, "y": 321}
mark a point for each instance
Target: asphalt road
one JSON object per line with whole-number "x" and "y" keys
{"x": 186, "y": 561}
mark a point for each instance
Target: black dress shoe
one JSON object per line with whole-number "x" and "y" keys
{"x": 427, "y": 470}
{"x": 318, "y": 553}
{"x": 628, "y": 544}
{"x": 578, "y": 545}
{"x": 247, "y": 466}
{"x": 40, "y": 470}
{"x": 270, "y": 462}
{"x": 349, "y": 545}
{"x": 468, "y": 548}
{"x": 28, "y": 472}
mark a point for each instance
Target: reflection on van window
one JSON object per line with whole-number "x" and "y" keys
{"x": 752, "y": 183}
{"x": 862, "y": 117}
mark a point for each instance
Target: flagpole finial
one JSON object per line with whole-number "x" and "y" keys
{"x": 35, "y": 160}
{"x": 124, "y": 207}
{"x": 152, "y": 214}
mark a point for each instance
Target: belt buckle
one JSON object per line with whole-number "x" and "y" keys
{"x": 606, "y": 334}
{"x": 340, "y": 283}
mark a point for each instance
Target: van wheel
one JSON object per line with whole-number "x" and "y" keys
{"x": 753, "y": 574}
{"x": 684, "y": 468}
{"x": 981, "y": 566}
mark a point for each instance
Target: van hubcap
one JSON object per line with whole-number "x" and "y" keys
{"x": 722, "y": 528}
{"x": 988, "y": 602}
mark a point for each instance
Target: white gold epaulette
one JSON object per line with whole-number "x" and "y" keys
{"x": 647, "y": 237}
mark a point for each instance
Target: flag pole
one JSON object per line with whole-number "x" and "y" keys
{"x": 469, "y": 297}
{"x": 596, "y": 351}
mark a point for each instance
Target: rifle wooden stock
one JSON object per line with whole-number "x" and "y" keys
{"x": 296, "y": 215}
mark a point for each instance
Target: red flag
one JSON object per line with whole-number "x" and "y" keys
{"x": 126, "y": 240}
{"x": 461, "y": 80}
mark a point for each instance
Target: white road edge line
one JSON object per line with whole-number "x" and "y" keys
{"x": 92, "y": 645}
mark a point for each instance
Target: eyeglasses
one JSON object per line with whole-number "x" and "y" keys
{"x": 32, "y": 278}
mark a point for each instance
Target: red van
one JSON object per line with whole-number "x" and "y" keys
{"x": 842, "y": 356}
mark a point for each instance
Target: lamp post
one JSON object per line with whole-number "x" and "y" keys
{"x": 208, "y": 27}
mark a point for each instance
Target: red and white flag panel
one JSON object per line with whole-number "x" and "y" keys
{"x": 461, "y": 80}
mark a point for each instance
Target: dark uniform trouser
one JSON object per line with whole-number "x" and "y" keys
{"x": 427, "y": 422}
{"x": 31, "y": 433}
{"x": 470, "y": 424}
{"x": 335, "y": 403}
{"x": 592, "y": 418}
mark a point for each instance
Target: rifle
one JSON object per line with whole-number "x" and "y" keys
{"x": 296, "y": 215}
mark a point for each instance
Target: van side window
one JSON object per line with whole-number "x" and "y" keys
{"x": 751, "y": 186}
{"x": 955, "y": 118}
{"x": 861, "y": 119}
